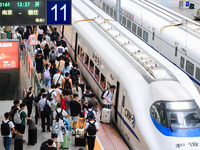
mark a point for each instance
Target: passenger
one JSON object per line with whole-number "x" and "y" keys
{"x": 75, "y": 109}
{"x": 61, "y": 63}
{"x": 63, "y": 43}
{"x": 43, "y": 43}
{"x": 58, "y": 124}
{"x": 68, "y": 97}
{"x": 40, "y": 34}
{"x": 47, "y": 76}
{"x": 26, "y": 35}
{"x": 37, "y": 99}
{"x": 45, "y": 144}
{"x": 29, "y": 102}
{"x": 20, "y": 127}
{"x": 87, "y": 94}
{"x": 50, "y": 145}
{"x": 89, "y": 111}
{"x": 55, "y": 35}
{"x": 20, "y": 30}
{"x": 39, "y": 60}
{"x": 13, "y": 110}
{"x": 75, "y": 73}
{"x": 37, "y": 50}
{"x": 58, "y": 78}
{"x": 6, "y": 128}
{"x": 47, "y": 37}
{"x": 66, "y": 68}
{"x": 53, "y": 71}
{"x": 44, "y": 115}
{"x": 91, "y": 129}
{"x": 77, "y": 90}
{"x": 32, "y": 42}
{"x": 53, "y": 94}
{"x": 60, "y": 49}
{"x": 58, "y": 93}
{"x": 60, "y": 111}
{"x": 52, "y": 56}
{"x": 108, "y": 95}
{"x": 67, "y": 85}
{"x": 46, "y": 51}
{"x": 94, "y": 102}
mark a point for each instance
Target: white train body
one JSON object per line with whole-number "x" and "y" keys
{"x": 179, "y": 44}
{"x": 109, "y": 54}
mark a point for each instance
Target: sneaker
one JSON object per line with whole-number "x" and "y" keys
{"x": 48, "y": 130}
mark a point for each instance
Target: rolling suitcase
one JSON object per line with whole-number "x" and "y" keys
{"x": 32, "y": 133}
{"x": 18, "y": 142}
{"x": 106, "y": 115}
{"x": 80, "y": 137}
{"x": 65, "y": 143}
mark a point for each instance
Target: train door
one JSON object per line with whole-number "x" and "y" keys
{"x": 76, "y": 47}
{"x": 123, "y": 102}
{"x": 117, "y": 100}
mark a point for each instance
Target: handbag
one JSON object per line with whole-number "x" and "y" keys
{"x": 47, "y": 109}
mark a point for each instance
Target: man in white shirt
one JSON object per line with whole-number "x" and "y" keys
{"x": 108, "y": 95}
{"x": 60, "y": 49}
{"x": 58, "y": 78}
{"x": 59, "y": 110}
{"x": 7, "y": 139}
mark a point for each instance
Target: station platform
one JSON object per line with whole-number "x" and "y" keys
{"x": 174, "y": 5}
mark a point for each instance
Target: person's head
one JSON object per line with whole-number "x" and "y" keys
{"x": 50, "y": 142}
{"x": 90, "y": 105}
{"x": 22, "y": 106}
{"x": 58, "y": 71}
{"x": 66, "y": 74}
{"x": 59, "y": 44}
{"x": 40, "y": 52}
{"x": 88, "y": 87}
{"x": 32, "y": 32}
{"x": 53, "y": 86}
{"x": 69, "y": 92}
{"x": 76, "y": 83}
{"x": 16, "y": 31}
{"x": 61, "y": 57}
{"x": 62, "y": 38}
{"x": 91, "y": 116}
{"x": 7, "y": 115}
{"x": 42, "y": 90}
{"x": 112, "y": 88}
{"x": 63, "y": 53}
{"x": 44, "y": 95}
{"x": 44, "y": 38}
{"x": 54, "y": 136}
{"x": 37, "y": 46}
{"x": 75, "y": 96}
{"x": 75, "y": 66}
{"x": 47, "y": 66}
{"x": 58, "y": 116}
{"x": 66, "y": 64}
{"x": 59, "y": 105}
{"x": 46, "y": 46}
{"x": 54, "y": 29}
{"x": 52, "y": 49}
{"x": 58, "y": 85}
{"x": 92, "y": 95}
{"x": 16, "y": 102}
{"x": 66, "y": 50}
{"x": 31, "y": 89}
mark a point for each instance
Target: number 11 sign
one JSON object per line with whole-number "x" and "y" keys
{"x": 58, "y": 12}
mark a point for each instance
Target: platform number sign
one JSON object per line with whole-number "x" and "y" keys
{"x": 59, "y": 12}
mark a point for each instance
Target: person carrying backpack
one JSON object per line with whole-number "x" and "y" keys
{"x": 52, "y": 56}
{"x": 60, "y": 111}
{"x": 47, "y": 76}
{"x": 45, "y": 144}
{"x": 90, "y": 111}
{"x": 107, "y": 95}
{"x": 55, "y": 35}
{"x": 6, "y": 128}
{"x": 67, "y": 84}
{"x": 75, "y": 73}
{"x": 91, "y": 129}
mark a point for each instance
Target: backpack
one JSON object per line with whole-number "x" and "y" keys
{"x": 56, "y": 127}
{"x": 67, "y": 84}
{"x": 47, "y": 109}
{"x": 61, "y": 116}
{"x": 49, "y": 96}
{"x": 88, "y": 114}
{"x": 38, "y": 97}
{"x": 74, "y": 74}
{"x": 63, "y": 105}
{"x": 53, "y": 56}
{"x": 44, "y": 145}
{"x": 17, "y": 118}
{"x": 102, "y": 94}
{"x": 5, "y": 128}
{"x": 91, "y": 130}
{"x": 54, "y": 36}
{"x": 46, "y": 74}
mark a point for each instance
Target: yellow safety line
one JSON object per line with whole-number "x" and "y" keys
{"x": 115, "y": 132}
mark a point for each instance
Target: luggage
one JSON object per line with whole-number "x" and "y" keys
{"x": 18, "y": 142}
{"x": 32, "y": 136}
{"x": 106, "y": 115}
{"x": 80, "y": 137}
{"x": 65, "y": 143}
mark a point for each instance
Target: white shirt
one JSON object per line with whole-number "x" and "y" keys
{"x": 42, "y": 103}
{"x": 86, "y": 112}
{"x": 87, "y": 125}
{"x": 40, "y": 31}
{"x": 60, "y": 50}
{"x": 108, "y": 96}
{"x": 56, "y": 77}
{"x": 53, "y": 94}
{"x": 17, "y": 35}
{"x": 11, "y": 125}
{"x": 79, "y": 92}
{"x": 64, "y": 113}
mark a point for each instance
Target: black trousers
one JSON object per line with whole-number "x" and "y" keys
{"x": 29, "y": 107}
{"x": 91, "y": 142}
{"x": 36, "y": 115}
{"x": 43, "y": 117}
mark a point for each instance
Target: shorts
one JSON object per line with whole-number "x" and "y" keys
{"x": 20, "y": 128}
{"x": 39, "y": 70}
{"x": 74, "y": 118}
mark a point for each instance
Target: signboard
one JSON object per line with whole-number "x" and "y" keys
{"x": 9, "y": 54}
{"x": 58, "y": 12}
{"x": 22, "y": 12}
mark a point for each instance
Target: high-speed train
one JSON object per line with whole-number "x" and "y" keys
{"x": 155, "y": 105}
{"x": 174, "y": 36}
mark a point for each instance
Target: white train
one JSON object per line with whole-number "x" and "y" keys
{"x": 156, "y": 106}
{"x": 172, "y": 35}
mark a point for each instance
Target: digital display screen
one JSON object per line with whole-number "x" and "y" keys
{"x": 22, "y": 12}
{"x": 9, "y": 55}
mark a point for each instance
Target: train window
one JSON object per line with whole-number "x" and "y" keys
{"x": 104, "y": 6}
{"x": 176, "y": 51}
{"x": 79, "y": 48}
{"x": 124, "y": 20}
{"x": 86, "y": 59}
{"x": 182, "y": 62}
{"x": 115, "y": 14}
{"x": 111, "y": 11}
{"x": 91, "y": 66}
{"x": 145, "y": 35}
{"x": 134, "y": 27}
{"x": 97, "y": 73}
{"x": 108, "y": 85}
{"x": 129, "y": 24}
{"x": 197, "y": 75}
{"x": 190, "y": 67}
{"x": 107, "y": 9}
{"x": 82, "y": 54}
{"x": 139, "y": 32}
{"x": 103, "y": 81}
